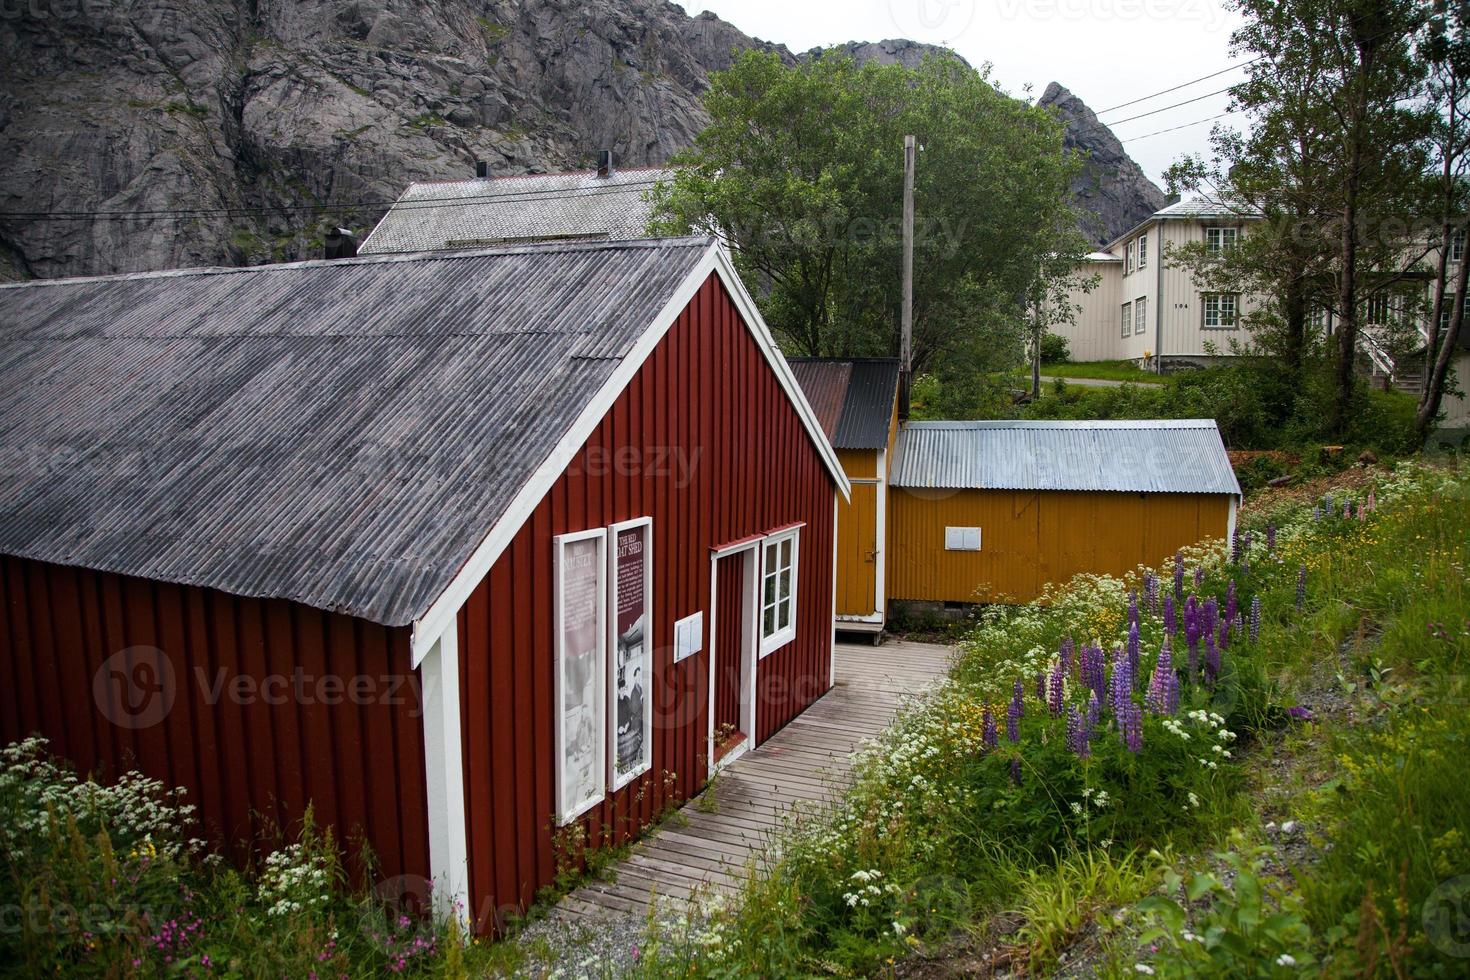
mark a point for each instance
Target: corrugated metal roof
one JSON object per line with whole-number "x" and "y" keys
{"x": 341, "y": 434}
{"x": 1167, "y": 456}
{"x": 858, "y": 396}
{"x": 475, "y": 213}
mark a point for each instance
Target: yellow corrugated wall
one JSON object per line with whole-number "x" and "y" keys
{"x": 857, "y": 536}
{"x": 1032, "y": 538}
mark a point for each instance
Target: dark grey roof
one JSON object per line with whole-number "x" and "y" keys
{"x": 853, "y": 398}
{"x": 1166, "y": 456}
{"x": 342, "y": 434}
{"x": 479, "y": 212}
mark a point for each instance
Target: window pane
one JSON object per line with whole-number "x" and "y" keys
{"x": 770, "y": 593}
{"x": 785, "y": 591}
{"x": 768, "y": 621}
{"x": 786, "y": 553}
{"x": 785, "y": 615}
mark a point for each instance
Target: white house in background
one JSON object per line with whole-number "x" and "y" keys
{"x": 1147, "y": 307}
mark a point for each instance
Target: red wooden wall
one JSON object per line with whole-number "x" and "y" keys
{"x": 251, "y": 756}
{"x": 706, "y": 392}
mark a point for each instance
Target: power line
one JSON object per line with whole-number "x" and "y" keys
{"x": 396, "y": 205}
{"x": 1192, "y": 81}
{"x": 1155, "y": 112}
{"x": 1171, "y": 129}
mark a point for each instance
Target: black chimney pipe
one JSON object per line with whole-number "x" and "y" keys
{"x": 339, "y": 244}
{"x": 604, "y": 163}
{"x": 482, "y": 169}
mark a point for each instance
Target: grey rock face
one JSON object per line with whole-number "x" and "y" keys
{"x": 236, "y": 131}
{"x": 1112, "y": 191}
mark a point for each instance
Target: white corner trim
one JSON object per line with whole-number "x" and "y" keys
{"x": 716, "y": 259}
{"x": 832, "y": 647}
{"x": 444, "y": 776}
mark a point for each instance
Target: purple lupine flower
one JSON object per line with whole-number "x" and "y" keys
{"x": 1372, "y": 500}
{"x": 1054, "y": 692}
{"x": 1178, "y": 576}
{"x": 1235, "y": 546}
{"x": 1016, "y": 771}
{"x": 1133, "y": 652}
{"x": 1271, "y": 539}
{"x": 1163, "y": 685}
{"x": 1120, "y": 687}
{"x": 1151, "y": 592}
{"x": 987, "y": 733}
{"x": 1212, "y": 660}
{"x": 1018, "y": 698}
{"x": 1245, "y": 548}
{"x": 1329, "y": 504}
{"x": 1041, "y": 686}
{"x": 1013, "y": 720}
{"x": 1347, "y": 509}
{"x": 1199, "y": 577}
{"x": 1362, "y": 512}
{"x": 1231, "y": 603}
{"x": 1094, "y": 712}
{"x": 1091, "y": 669}
{"x": 1317, "y": 513}
{"x": 1299, "y": 713}
{"x": 1066, "y": 655}
{"x": 1171, "y": 625}
{"x": 1210, "y": 614}
{"x": 1301, "y": 588}
{"x": 1079, "y": 732}
{"x": 1133, "y": 728}
{"x": 1255, "y": 632}
{"x": 1224, "y": 636}
{"x": 1133, "y": 607}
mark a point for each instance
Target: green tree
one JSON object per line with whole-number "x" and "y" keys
{"x": 1334, "y": 163}
{"x": 801, "y": 170}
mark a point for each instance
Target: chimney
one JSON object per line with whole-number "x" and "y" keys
{"x": 482, "y": 169}
{"x": 604, "y": 163}
{"x": 339, "y": 244}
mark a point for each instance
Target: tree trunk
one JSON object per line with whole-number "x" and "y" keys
{"x": 1434, "y": 380}
{"x": 1347, "y": 301}
{"x": 1294, "y": 312}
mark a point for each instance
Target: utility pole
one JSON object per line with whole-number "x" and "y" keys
{"x": 906, "y": 348}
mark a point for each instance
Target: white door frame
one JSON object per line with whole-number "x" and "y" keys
{"x": 748, "y": 658}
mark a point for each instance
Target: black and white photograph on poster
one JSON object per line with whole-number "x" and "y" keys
{"x": 581, "y": 665}
{"x": 632, "y": 664}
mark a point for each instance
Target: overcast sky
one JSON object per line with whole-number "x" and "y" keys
{"x": 1106, "y": 51}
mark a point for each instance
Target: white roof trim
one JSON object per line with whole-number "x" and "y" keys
{"x": 432, "y": 624}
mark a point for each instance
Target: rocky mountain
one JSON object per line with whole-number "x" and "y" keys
{"x": 150, "y": 134}
{"x": 1111, "y": 190}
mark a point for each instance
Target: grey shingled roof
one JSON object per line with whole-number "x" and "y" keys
{"x": 475, "y": 213}
{"x": 853, "y": 398}
{"x": 341, "y": 434}
{"x": 1135, "y": 456}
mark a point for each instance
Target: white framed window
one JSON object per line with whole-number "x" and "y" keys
{"x": 1218, "y": 241}
{"x": 1127, "y": 319}
{"x": 962, "y": 539}
{"x": 630, "y": 637}
{"x": 579, "y": 575}
{"x": 1143, "y": 251}
{"x": 1457, "y": 245}
{"x": 1445, "y": 312}
{"x": 1127, "y": 257}
{"x": 1140, "y": 314}
{"x": 1220, "y": 310}
{"x": 780, "y": 562}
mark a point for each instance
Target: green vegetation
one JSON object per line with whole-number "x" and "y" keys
{"x": 1054, "y": 349}
{"x": 1038, "y": 806}
{"x": 1107, "y": 370}
{"x": 493, "y": 31}
{"x": 802, "y": 165}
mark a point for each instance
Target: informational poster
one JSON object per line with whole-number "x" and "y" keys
{"x": 581, "y": 666}
{"x": 630, "y": 701}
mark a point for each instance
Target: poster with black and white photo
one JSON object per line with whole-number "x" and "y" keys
{"x": 632, "y": 663}
{"x": 581, "y": 666}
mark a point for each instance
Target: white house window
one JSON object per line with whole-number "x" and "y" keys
{"x": 1380, "y": 309}
{"x": 1140, "y": 314}
{"x": 1143, "y": 251}
{"x": 1457, "y": 245}
{"x": 1445, "y": 312}
{"x": 1128, "y": 260}
{"x": 1127, "y": 319}
{"x": 779, "y": 561}
{"x": 1220, "y": 310}
{"x": 1218, "y": 241}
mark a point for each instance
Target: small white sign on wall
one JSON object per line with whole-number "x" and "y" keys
{"x": 962, "y": 539}
{"x": 688, "y": 636}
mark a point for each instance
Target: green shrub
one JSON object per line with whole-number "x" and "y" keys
{"x": 1054, "y": 349}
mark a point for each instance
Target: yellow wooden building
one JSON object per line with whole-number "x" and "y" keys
{"x": 856, "y": 401}
{"x": 993, "y": 511}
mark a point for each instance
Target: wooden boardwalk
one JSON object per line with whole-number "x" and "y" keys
{"x": 710, "y": 845}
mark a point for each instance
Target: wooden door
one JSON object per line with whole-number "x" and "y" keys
{"x": 857, "y": 552}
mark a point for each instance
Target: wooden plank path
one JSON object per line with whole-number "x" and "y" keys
{"x": 709, "y": 847}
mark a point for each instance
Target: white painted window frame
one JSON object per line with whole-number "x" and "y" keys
{"x": 1140, "y": 316}
{"x": 1128, "y": 319}
{"x": 1220, "y": 239}
{"x": 1457, "y": 245}
{"x": 569, "y": 810}
{"x": 777, "y": 640}
{"x": 615, "y": 781}
{"x": 1143, "y": 251}
{"x": 1218, "y": 298}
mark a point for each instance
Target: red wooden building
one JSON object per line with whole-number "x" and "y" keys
{"x": 463, "y": 548}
